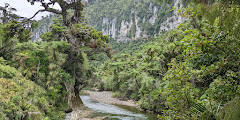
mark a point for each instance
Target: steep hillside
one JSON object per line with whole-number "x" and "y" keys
{"x": 188, "y": 73}
{"x": 125, "y": 20}
{"x": 21, "y": 98}
{"x": 43, "y": 26}
{"x": 138, "y": 19}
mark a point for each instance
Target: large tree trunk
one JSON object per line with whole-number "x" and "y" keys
{"x": 75, "y": 103}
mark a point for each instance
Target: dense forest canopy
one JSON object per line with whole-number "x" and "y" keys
{"x": 57, "y": 65}
{"x": 187, "y": 73}
{"x": 191, "y": 72}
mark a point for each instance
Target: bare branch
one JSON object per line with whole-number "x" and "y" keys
{"x": 36, "y": 13}
{"x": 46, "y": 10}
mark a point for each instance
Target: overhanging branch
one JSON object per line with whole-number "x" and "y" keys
{"x": 46, "y": 9}
{"x": 43, "y": 10}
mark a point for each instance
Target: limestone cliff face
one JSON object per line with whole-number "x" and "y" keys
{"x": 140, "y": 19}
{"x": 36, "y": 36}
{"x": 125, "y": 20}
{"x": 173, "y": 21}
{"x": 44, "y": 25}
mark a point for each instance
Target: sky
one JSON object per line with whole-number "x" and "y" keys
{"x": 25, "y": 9}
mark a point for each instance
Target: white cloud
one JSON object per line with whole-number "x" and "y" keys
{"x": 25, "y": 9}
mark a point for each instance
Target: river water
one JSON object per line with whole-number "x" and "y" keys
{"x": 116, "y": 112}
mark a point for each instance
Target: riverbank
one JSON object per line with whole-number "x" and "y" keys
{"x": 83, "y": 115}
{"x": 106, "y": 97}
{"x": 102, "y": 106}
{"x": 101, "y": 97}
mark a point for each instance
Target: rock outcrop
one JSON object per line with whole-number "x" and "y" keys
{"x": 137, "y": 23}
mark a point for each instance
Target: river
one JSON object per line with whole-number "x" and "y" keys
{"x": 115, "y": 112}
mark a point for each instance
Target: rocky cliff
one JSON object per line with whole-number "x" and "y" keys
{"x": 125, "y": 20}
{"x": 44, "y": 25}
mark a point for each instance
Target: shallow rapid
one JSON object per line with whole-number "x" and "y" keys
{"x": 114, "y": 112}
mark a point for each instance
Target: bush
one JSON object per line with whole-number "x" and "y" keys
{"x": 7, "y": 72}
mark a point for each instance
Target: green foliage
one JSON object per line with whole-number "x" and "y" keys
{"x": 41, "y": 63}
{"x": 57, "y": 32}
{"x": 191, "y": 72}
{"x": 12, "y": 33}
{"x": 231, "y": 110}
{"x": 18, "y": 100}
{"x": 14, "y": 28}
{"x": 39, "y": 79}
{"x": 42, "y": 26}
{"x": 7, "y": 71}
{"x": 136, "y": 68}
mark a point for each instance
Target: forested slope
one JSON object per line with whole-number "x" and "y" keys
{"x": 24, "y": 72}
{"x": 187, "y": 73}
{"x": 191, "y": 72}
{"x": 42, "y": 79}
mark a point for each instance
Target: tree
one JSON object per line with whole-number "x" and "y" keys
{"x": 13, "y": 32}
{"x": 84, "y": 40}
{"x": 68, "y": 19}
{"x": 7, "y": 13}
